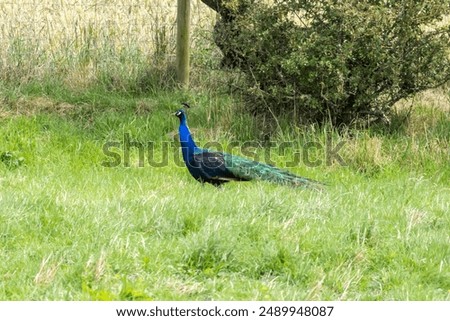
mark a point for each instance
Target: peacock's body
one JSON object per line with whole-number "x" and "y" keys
{"x": 217, "y": 167}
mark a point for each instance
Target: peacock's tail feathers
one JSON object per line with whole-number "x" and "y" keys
{"x": 249, "y": 170}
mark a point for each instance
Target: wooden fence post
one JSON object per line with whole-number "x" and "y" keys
{"x": 183, "y": 26}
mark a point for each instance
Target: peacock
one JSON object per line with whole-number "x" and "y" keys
{"x": 217, "y": 168}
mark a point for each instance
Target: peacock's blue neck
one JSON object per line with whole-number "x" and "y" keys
{"x": 188, "y": 145}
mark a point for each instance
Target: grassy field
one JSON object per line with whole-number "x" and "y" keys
{"x": 74, "y": 229}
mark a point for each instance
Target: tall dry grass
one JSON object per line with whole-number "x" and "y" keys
{"x": 83, "y": 40}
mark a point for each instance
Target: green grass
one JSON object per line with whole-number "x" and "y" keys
{"x": 72, "y": 229}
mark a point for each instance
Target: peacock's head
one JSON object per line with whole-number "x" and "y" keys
{"x": 180, "y": 113}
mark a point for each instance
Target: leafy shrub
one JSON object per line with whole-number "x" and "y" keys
{"x": 335, "y": 60}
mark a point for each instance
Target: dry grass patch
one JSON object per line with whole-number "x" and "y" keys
{"x": 47, "y": 271}
{"x": 54, "y": 26}
{"x": 30, "y": 106}
{"x": 80, "y": 41}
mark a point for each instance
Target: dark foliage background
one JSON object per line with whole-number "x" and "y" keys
{"x": 331, "y": 60}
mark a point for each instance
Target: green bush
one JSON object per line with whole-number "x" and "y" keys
{"x": 322, "y": 60}
{"x": 11, "y": 160}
